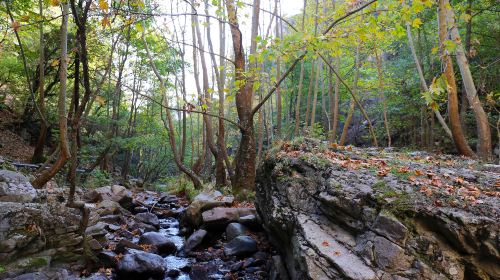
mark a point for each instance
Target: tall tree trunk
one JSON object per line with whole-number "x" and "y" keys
{"x": 309, "y": 95}
{"x": 315, "y": 98}
{"x": 40, "y": 144}
{"x": 382, "y": 96}
{"x": 483, "y": 128}
{"x": 244, "y": 177}
{"x": 352, "y": 104}
{"x": 334, "y": 102}
{"x": 301, "y": 80}
{"x": 220, "y": 77}
{"x": 169, "y": 124}
{"x": 456, "y": 127}
{"x": 468, "y": 38}
{"x": 278, "y": 75}
{"x": 423, "y": 83}
{"x": 64, "y": 154}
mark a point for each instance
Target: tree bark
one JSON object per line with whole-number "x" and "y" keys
{"x": 40, "y": 144}
{"x": 352, "y": 104}
{"x": 64, "y": 154}
{"x": 382, "y": 96}
{"x": 483, "y": 129}
{"x": 244, "y": 177}
{"x": 170, "y": 127}
{"x": 423, "y": 83}
{"x": 456, "y": 126}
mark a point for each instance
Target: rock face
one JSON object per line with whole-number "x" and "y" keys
{"x": 44, "y": 229}
{"x": 15, "y": 187}
{"x": 335, "y": 216}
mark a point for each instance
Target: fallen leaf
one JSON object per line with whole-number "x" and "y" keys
{"x": 15, "y": 25}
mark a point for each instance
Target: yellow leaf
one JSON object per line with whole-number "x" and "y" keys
{"x": 139, "y": 28}
{"x": 100, "y": 100}
{"x": 105, "y": 22}
{"x": 435, "y": 50}
{"x": 416, "y": 23}
{"x": 55, "y": 2}
{"x": 55, "y": 62}
{"x": 103, "y": 5}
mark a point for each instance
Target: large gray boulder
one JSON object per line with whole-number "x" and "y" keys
{"x": 221, "y": 216}
{"x": 137, "y": 265}
{"x": 240, "y": 246}
{"x": 116, "y": 193}
{"x": 333, "y": 217}
{"x": 162, "y": 244}
{"x": 195, "y": 240}
{"x": 15, "y": 187}
{"x": 202, "y": 202}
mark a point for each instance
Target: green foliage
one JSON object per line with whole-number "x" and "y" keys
{"x": 97, "y": 178}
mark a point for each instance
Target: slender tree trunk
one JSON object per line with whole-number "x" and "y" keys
{"x": 456, "y": 127}
{"x": 170, "y": 127}
{"x": 221, "y": 145}
{"x": 301, "y": 80}
{"x": 382, "y": 96}
{"x": 40, "y": 144}
{"x": 278, "y": 75}
{"x": 334, "y": 102}
{"x": 483, "y": 128}
{"x": 468, "y": 38}
{"x": 352, "y": 104}
{"x": 64, "y": 154}
{"x": 309, "y": 95}
{"x": 315, "y": 98}
{"x": 423, "y": 83}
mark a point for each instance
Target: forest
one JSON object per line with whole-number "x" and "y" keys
{"x": 185, "y": 96}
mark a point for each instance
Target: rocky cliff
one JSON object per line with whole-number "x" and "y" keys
{"x": 344, "y": 213}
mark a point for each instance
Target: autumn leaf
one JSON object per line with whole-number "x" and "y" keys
{"x": 55, "y": 63}
{"x": 416, "y": 23}
{"x": 105, "y": 22}
{"x": 103, "y": 5}
{"x": 337, "y": 253}
{"x": 325, "y": 243}
{"x": 404, "y": 169}
{"x": 436, "y": 182}
{"x": 419, "y": 172}
{"x": 383, "y": 172}
{"x": 15, "y": 25}
{"x": 54, "y": 3}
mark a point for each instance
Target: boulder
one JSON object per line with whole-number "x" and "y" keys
{"x": 116, "y": 193}
{"x": 194, "y": 240}
{"x": 331, "y": 221}
{"x": 221, "y": 216}
{"x": 124, "y": 244}
{"x": 202, "y": 202}
{"x": 138, "y": 265}
{"x": 234, "y": 230}
{"x": 148, "y": 218}
{"x": 162, "y": 244}
{"x": 241, "y": 246}
{"x": 15, "y": 187}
